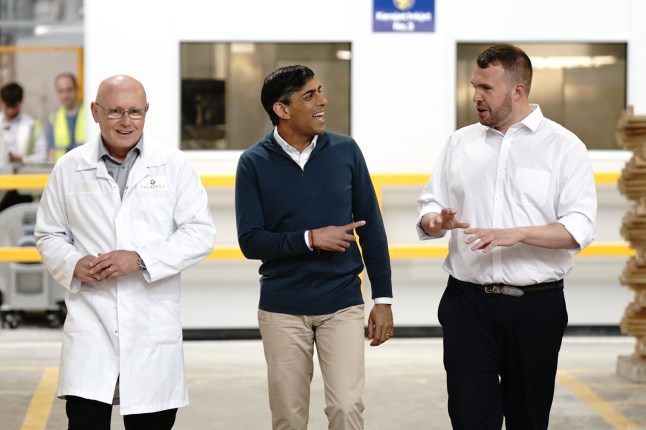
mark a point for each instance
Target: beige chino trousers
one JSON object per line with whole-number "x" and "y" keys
{"x": 289, "y": 340}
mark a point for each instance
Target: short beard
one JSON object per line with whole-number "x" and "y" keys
{"x": 500, "y": 114}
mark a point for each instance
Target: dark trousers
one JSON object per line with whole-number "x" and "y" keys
{"x": 13, "y": 197}
{"x": 85, "y": 414}
{"x": 500, "y": 356}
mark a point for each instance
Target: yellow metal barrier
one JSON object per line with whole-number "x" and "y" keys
{"x": 18, "y": 182}
{"x": 397, "y": 252}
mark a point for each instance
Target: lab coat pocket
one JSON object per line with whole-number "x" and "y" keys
{"x": 165, "y": 324}
{"x": 82, "y": 314}
{"x": 152, "y": 217}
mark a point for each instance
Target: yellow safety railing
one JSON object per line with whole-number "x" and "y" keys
{"x": 381, "y": 181}
{"x": 397, "y": 252}
{"x": 22, "y": 181}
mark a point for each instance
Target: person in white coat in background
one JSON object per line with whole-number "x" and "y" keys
{"x": 20, "y": 130}
{"x": 120, "y": 218}
{"x": 20, "y": 140}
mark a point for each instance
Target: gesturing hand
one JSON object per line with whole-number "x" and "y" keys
{"x": 334, "y": 238}
{"x": 433, "y": 223}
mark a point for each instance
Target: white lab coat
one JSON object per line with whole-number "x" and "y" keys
{"x": 17, "y": 140}
{"x": 130, "y": 327}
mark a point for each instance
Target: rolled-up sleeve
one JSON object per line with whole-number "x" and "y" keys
{"x": 577, "y": 206}
{"x": 434, "y": 195}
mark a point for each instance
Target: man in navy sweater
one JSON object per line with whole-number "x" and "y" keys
{"x": 300, "y": 194}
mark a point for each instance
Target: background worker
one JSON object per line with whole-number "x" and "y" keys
{"x": 20, "y": 139}
{"x": 66, "y": 125}
{"x": 20, "y": 129}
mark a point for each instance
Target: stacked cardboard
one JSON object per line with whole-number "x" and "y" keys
{"x": 631, "y": 135}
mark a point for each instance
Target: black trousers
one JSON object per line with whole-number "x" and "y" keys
{"x": 85, "y": 414}
{"x": 500, "y": 356}
{"x": 13, "y": 197}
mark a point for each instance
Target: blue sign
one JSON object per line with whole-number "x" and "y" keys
{"x": 404, "y": 16}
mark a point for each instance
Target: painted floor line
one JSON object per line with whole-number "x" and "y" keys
{"x": 41, "y": 402}
{"x": 603, "y": 408}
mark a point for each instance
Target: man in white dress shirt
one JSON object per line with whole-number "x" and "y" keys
{"x": 517, "y": 190}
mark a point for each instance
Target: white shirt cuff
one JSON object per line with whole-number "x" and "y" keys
{"x": 307, "y": 239}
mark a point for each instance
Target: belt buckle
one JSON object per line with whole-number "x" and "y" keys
{"x": 492, "y": 288}
{"x": 505, "y": 290}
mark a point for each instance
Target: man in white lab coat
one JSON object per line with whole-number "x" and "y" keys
{"x": 20, "y": 130}
{"x": 120, "y": 218}
{"x": 20, "y": 140}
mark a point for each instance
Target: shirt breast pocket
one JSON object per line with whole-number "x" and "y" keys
{"x": 531, "y": 186}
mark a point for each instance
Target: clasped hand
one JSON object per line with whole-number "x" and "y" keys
{"x": 110, "y": 265}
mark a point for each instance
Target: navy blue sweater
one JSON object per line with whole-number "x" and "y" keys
{"x": 277, "y": 202}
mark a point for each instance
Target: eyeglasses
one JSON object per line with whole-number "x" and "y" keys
{"x": 118, "y": 113}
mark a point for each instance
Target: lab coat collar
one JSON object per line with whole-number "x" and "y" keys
{"x": 90, "y": 159}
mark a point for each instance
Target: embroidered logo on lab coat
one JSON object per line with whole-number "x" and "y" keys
{"x": 154, "y": 183}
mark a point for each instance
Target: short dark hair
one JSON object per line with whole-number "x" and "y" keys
{"x": 517, "y": 65}
{"x": 279, "y": 86}
{"x": 11, "y": 94}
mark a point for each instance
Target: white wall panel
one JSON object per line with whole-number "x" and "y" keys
{"x": 403, "y": 109}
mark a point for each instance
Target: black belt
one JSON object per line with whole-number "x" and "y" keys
{"x": 512, "y": 290}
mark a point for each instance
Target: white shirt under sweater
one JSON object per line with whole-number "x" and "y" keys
{"x": 535, "y": 174}
{"x": 301, "y": 159}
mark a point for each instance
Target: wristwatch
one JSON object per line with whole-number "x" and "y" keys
{"x": 141, "y": 264}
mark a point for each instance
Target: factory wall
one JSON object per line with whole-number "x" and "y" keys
{"x": 402, "y": 110}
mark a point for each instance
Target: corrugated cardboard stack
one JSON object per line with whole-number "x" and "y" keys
{"x": 631, "y": 135}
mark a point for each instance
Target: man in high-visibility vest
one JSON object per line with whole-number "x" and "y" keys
{"x": 66, "y": 128}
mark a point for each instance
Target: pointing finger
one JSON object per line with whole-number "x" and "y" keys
{"x": 354, "y": 225}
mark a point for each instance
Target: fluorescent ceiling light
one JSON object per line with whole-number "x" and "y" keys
{"x": 573, "y": 62}
{"x": 343, "y": 54}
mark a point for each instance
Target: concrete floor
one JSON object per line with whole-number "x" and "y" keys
{"x": 405, "y": 386}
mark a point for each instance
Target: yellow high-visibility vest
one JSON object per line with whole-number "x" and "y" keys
{"x": 61, "y": 132}
{"x": 35, "y": 135}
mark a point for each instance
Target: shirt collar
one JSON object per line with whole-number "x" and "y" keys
{"x": 289, "y": 148}
{"x": 531, "y": 121}
{"x": 14, "y": 120}
{"x": 103, "y": 151}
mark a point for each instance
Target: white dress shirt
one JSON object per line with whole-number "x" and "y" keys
{"x": 535, "y": 174}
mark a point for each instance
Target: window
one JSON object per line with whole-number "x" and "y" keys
{"x": 221, "y": 85}
{"x": 582, "y": 86}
